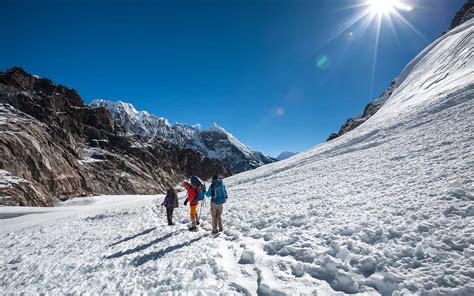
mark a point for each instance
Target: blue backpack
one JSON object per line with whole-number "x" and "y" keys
{"x": 199, "y": 186}
{"x": 219, "y": 193}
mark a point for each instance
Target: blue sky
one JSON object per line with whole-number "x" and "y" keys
{"x": 273, "y": 73}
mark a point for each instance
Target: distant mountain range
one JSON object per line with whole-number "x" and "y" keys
{"x": 214, "y": 142}
{"x": 285, "y": 155}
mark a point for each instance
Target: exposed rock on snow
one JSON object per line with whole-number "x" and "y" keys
{"x": 466, "y": 13}
{"x": 215, "y": 142}
{"x": 369, "y": 110}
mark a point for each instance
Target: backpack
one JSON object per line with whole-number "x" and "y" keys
{"x": 199, "y": 186}
{"x": 219, "y": 193}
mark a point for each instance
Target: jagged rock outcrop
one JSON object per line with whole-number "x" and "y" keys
{"x": 214, "y": 142}
{"x": 369, "y": 110}
{"x": 466, "y": 13}
{"x": 53, "y": 146}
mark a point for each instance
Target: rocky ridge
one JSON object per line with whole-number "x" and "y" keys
{"x": 53, "y": 147}
{"x": 214, "y": 142}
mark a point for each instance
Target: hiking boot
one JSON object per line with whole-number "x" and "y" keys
{"x": 171, "y": 224}
{"x": 197, "y": 222}
{"x": 214, "y": 231}
{"x": 192, "y": 228}
{"x": 220, "y": 229}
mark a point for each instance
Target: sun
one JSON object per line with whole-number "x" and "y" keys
{"x": 380, "y": 7}
{"x": 378, "y": 14}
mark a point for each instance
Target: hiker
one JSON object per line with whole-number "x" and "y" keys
{"x": 218, "y": 195}
{"x": 200, "y": 188}
{"x": 170, "y": 202}
{"x": 193, "y": 203}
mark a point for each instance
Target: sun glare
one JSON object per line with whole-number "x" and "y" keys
{"x": 376, "y": 14}
{"x": 387, "y": 6}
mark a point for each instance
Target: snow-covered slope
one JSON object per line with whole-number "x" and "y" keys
{"x": 215, "y": 142}
{"x": 386, "y": 209}
{"x": 465, "y": 14}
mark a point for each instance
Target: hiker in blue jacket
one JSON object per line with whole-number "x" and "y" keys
{"x": 218, "y": 195}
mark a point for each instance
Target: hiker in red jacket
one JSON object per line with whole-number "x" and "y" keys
{"x": 193, "y": 204}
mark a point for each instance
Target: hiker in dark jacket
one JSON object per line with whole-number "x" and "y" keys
{"x": 170, "y": 202}
{"x": 218, "y": 195}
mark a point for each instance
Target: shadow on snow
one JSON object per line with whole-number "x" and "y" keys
{"x": 133, "y": 236}
{"x": 140, "y": 260}
{"x": 142, "y": 247}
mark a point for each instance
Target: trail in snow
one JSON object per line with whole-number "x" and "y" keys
{"x": 386, "y": 208}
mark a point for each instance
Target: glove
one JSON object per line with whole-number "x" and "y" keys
{"x": 185, "y": 202}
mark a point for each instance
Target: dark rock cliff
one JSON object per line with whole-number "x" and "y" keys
{"x": 53, "y": 146}
{"x": 466, "y": 13}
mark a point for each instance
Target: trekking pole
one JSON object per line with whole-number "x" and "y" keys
{"x": 181, "y": 219}
{"x": 200, "y": 210}
{"x": 178, "y": 214}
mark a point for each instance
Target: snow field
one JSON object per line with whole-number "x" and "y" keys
{"x": 126, "y": 250}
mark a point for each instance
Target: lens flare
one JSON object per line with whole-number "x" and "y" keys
{"x": 350, "y": 36}
{"x": 323, "y": 62}
{"x": 369, "y": 13}
{"x": 278, "y": 111}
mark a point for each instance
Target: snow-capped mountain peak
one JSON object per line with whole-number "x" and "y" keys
{"x": 244, "y": 148}
{"x": 129, "y": 108}
{"x": 217, "y": 128}
{"x": 214, "y": 142}
{"x": 136, "y": 122}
